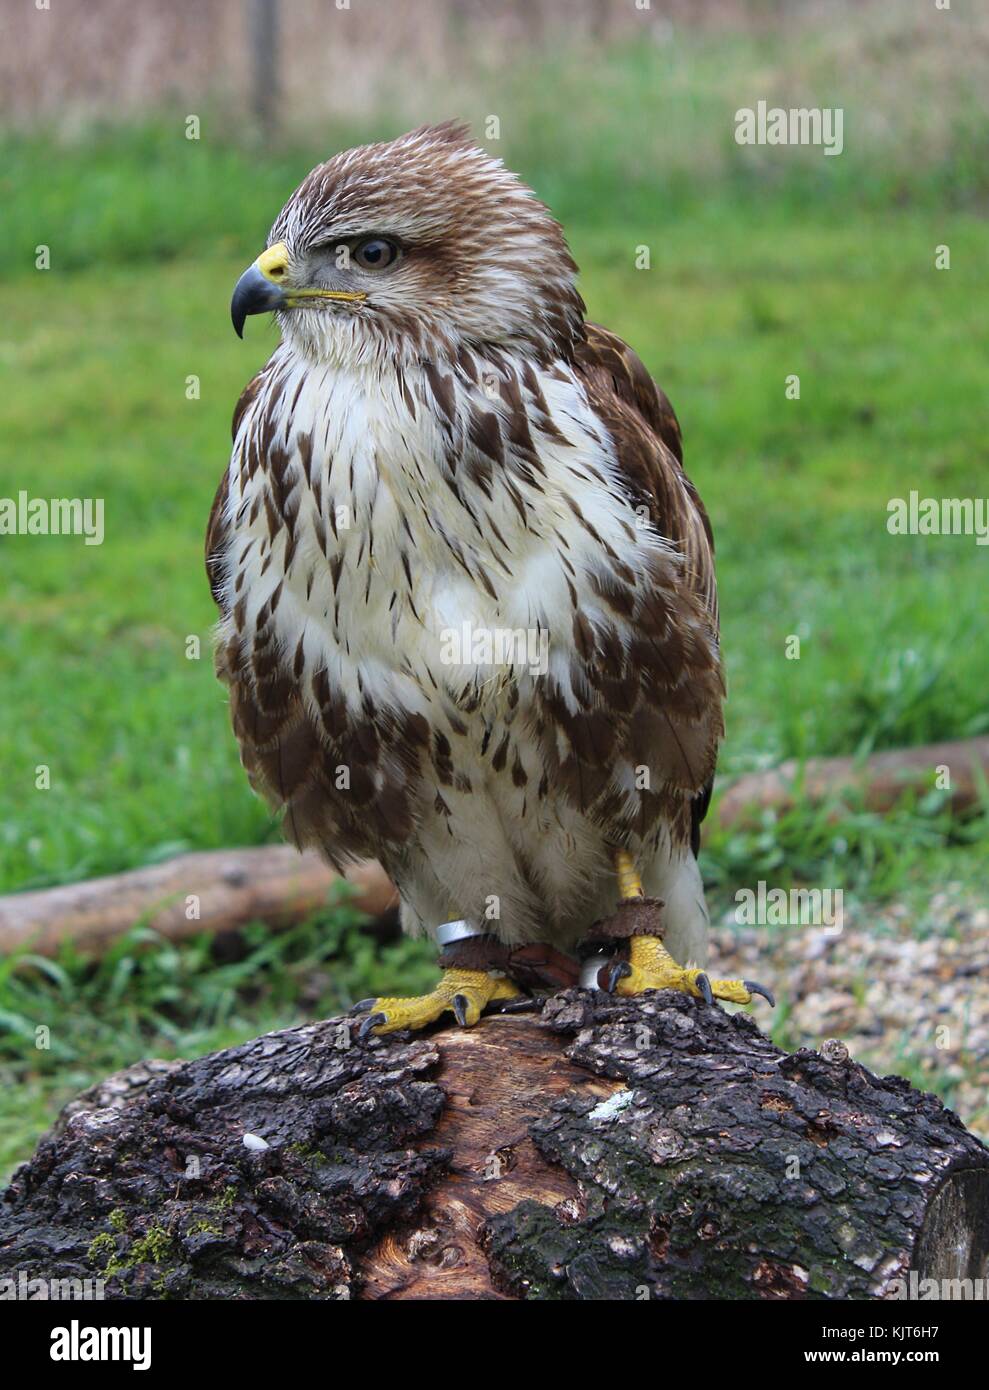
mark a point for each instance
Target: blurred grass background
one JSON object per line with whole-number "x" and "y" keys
{"x": 764, "y": 262}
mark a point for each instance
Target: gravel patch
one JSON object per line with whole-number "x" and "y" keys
{"x": 906, "y": 992}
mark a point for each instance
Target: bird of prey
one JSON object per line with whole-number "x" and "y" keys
{"x": 469, "y": 621}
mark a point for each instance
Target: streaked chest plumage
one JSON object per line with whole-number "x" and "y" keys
{"x": 392, "y": 543}
{"x": 435, "y": 580}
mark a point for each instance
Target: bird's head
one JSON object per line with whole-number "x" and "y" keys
{"x": 412, "y": 249}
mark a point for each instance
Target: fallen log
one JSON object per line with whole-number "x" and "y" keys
{"x": 609, "y": 1149}
{"x": 880, "y": 781}
{"x": 214, "y": 891}
{"x": 276, "y": 885}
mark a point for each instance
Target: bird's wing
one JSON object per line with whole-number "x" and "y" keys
{"x": 678, "y": 710}
{"x": 646, "y": 434}
{"x": 216, "y": 526}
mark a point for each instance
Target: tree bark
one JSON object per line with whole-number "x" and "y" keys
{"x": 607, "y": 1149}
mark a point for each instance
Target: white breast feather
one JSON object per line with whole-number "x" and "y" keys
{"x": 378, "y": 464}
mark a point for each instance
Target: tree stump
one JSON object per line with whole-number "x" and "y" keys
{"x": 607, "y": 1149}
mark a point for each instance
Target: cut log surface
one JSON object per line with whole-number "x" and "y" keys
{"x": 607, "y": 1149}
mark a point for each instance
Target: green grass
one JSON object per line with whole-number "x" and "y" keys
{"x": 825, "y": 273}
{"x": 887, "y": 349}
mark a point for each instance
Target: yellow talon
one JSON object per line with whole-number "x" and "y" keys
{"x": 629, "y": 883}
{"x": 464, "y": 993}
{"x": 650, "y": 966}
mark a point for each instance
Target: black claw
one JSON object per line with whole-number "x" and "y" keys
{"x": 372, "y": 1021}
{"x": 361, "y": 1007}
{"x": 704, "y": 985}
{"x": 459, "y": 1002}
{"x": 619, "y": 969}
{"x": 518, "y": 1006}
{"x": 754, "y": 988}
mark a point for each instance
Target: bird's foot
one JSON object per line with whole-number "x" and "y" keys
{"x": 650, "y": 966}
{"x": 463, "y": 993}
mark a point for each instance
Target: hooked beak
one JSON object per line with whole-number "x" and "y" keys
{"x": 262, "y": 287}
{"x": 254, "y": 293}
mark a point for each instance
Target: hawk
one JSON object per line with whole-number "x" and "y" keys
{"x": 469, "y": 622}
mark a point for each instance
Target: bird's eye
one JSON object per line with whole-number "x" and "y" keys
{"x": 375, "y": 253}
